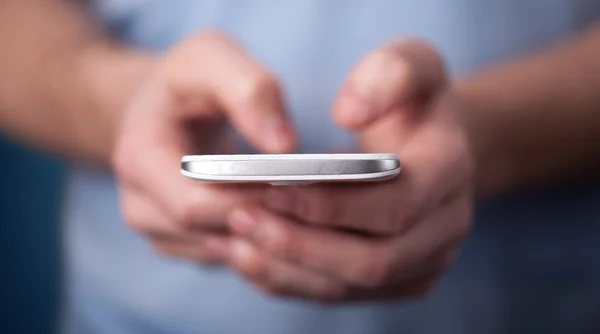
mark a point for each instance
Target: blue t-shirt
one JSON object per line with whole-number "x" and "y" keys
{"x": 530, "y": 265}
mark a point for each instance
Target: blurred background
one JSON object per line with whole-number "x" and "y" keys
{"x": 30, "y": 196}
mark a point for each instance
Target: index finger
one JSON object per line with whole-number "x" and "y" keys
{"x": 147, "y": 159}
{"x": 211, "y": 68}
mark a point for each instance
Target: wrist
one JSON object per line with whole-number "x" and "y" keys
{"x": 493, "y": 170}
{"x": 107, "y": 77}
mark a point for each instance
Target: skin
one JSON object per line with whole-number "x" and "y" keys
{"x": 187, "y": 101}
{"x": 302, "y": 241}
{"x": 323, "y": 242}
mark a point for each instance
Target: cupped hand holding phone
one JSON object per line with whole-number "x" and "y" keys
{"x": 194, "y": 89}
{"x": 371, "y": 241}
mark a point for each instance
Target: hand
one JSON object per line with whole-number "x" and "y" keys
{"x": 179, "y": 111}
{"x": 380, "y": 240}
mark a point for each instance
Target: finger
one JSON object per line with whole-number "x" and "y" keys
{"x": 403, "y": 74}
{"x": 415, "y": 288}
{"x": 155, "y": 171}
{"x": 368, "y": 208}
{"x": 376, "y": 208}
{"x": 156, "y": 168}
{"x": 211, "y": 136}
{"x": 436, "y": 239}
{"x": 143, "y": 215}
{"x": 435, "y": 164}
{"x": 211, "y": 67}
{"x": 206, "y": 206}
{"x": 204, "y": 248}
{"x": 366, "y": 262}
{"x": 183, "y": 204}
{"x": 278, "y": 277}
{"x": 338, "y": 255}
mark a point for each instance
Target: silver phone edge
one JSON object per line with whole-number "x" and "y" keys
{"x": 270, "y": 157}
{"x": 368, "y": 177}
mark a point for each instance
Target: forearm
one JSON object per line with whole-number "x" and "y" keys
{"x": 63, "y": 83}
{"x": 536, "y": 120}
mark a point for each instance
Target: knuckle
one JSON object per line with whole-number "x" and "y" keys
{"x": 160, "y": 248}
{"x": 134, "y": 220}
{"x": 374, "y": 272}
{"x": 184, "y": 214}
{"x": 270, "y": 289}
{"x": 335, "y": 291}
{"x": 205, "y": 256}
{"x": 118, "y": 161}
{"x": 193, "y": 210}
{"x": 284, "y": 245}
{"x": 257, "y": 268}
{"x": 122, "y": 162}
{"x": 252, "y": 264}
{"x": 256, "y": 87}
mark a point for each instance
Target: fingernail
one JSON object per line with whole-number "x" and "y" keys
{"x": 243, "y": 223}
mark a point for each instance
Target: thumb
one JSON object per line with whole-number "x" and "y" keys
{"x": 402, "y": 76}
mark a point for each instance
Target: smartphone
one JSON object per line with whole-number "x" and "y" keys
{"x": 291, "y": 169}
